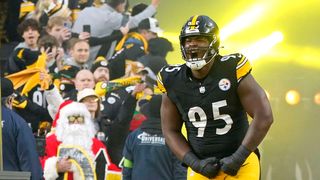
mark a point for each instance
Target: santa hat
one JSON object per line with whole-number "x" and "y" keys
{"x": 54, "y": 123}
{"x": 74, "y": 108}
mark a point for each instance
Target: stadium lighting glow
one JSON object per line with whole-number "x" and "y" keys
{"x": 172, "y": 37}
{"x": 317, "y": 98}
{"x": 241, "y": 22}
{"x": 262, "y": 46}
{"x": 292, "y": 97}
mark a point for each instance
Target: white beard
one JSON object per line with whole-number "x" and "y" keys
{"x": 78, "y": 135}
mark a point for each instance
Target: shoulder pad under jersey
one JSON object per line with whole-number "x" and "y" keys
{"x": 165, "y": 73}
{"x": 243, "y": 66}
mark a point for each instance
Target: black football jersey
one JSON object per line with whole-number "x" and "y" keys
{"x": 215, "y": 120}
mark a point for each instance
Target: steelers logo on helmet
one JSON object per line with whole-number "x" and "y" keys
{"x": 224, "y": 84}
{"x": 104, "y": 63}
{"x": 111, "y": 100}
{"x": 204, "y": 28}
{"x": 104, "y": 85}
{"x": 62, "y": 87}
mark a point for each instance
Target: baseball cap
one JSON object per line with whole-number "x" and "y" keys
{"x": 6, "y": 87}
{"x": 85, "y": 93}
{"x": 150, "y": 24}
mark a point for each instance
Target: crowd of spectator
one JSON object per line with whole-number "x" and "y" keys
{"x": 81, "y": 70}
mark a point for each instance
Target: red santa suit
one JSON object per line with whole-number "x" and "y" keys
{"x": 53, "y": 141}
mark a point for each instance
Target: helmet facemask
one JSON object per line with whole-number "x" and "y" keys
{"x": 196, "y": 56}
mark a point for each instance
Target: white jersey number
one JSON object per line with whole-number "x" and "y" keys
{"x": 202, "y": 123}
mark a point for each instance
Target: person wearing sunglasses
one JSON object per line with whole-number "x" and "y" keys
{"x": 75, "y": 133}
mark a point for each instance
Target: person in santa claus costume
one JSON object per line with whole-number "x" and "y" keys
{"x": 73, "y": 138}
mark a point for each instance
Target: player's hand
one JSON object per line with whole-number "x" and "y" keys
{"x": 208, "y": 167}
{"x": 231, "y": 164}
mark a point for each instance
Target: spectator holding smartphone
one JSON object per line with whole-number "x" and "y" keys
{"x": 58, "y": 27}
{"x": 107, "y": 18}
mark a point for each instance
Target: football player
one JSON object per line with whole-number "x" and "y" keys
{"x": 212, "y": 94}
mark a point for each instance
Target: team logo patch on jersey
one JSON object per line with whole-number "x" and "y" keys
{"x": 202, "y": 89}
{"x": 224, "y": 84}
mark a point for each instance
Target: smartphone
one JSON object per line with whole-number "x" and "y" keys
{"x": 48, "y": 46}
{"x": 125, "y": 19}
{"x": 86, "y": 28}
{"x": 67, "y": 25}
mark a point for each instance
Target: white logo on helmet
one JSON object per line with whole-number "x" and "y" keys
{"x": 104, "y": 85}
{"x": 224, "y": 84}
{"x": 111, "y": 100}
{"x": 104, "y": 63}
{"x": 62, "y": 87}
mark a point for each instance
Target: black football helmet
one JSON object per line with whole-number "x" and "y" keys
{"x": 200, "y": 25}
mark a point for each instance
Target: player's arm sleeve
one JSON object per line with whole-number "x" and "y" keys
{"x": 243, "y": 68}
{"x": 160, "y": 82}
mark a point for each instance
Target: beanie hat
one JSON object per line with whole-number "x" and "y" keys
{"x": 69, "y": 71}
{"x": 152, "y": 108}
{"x": 99, "y": 62}
{"x": 6, "y": 87}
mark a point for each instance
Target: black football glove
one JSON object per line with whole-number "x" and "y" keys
{"x": 208, "y": 167}
{"x": 231, "y": 164}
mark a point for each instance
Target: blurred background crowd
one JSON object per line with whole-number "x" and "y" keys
{"x": 81, "y": 73}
